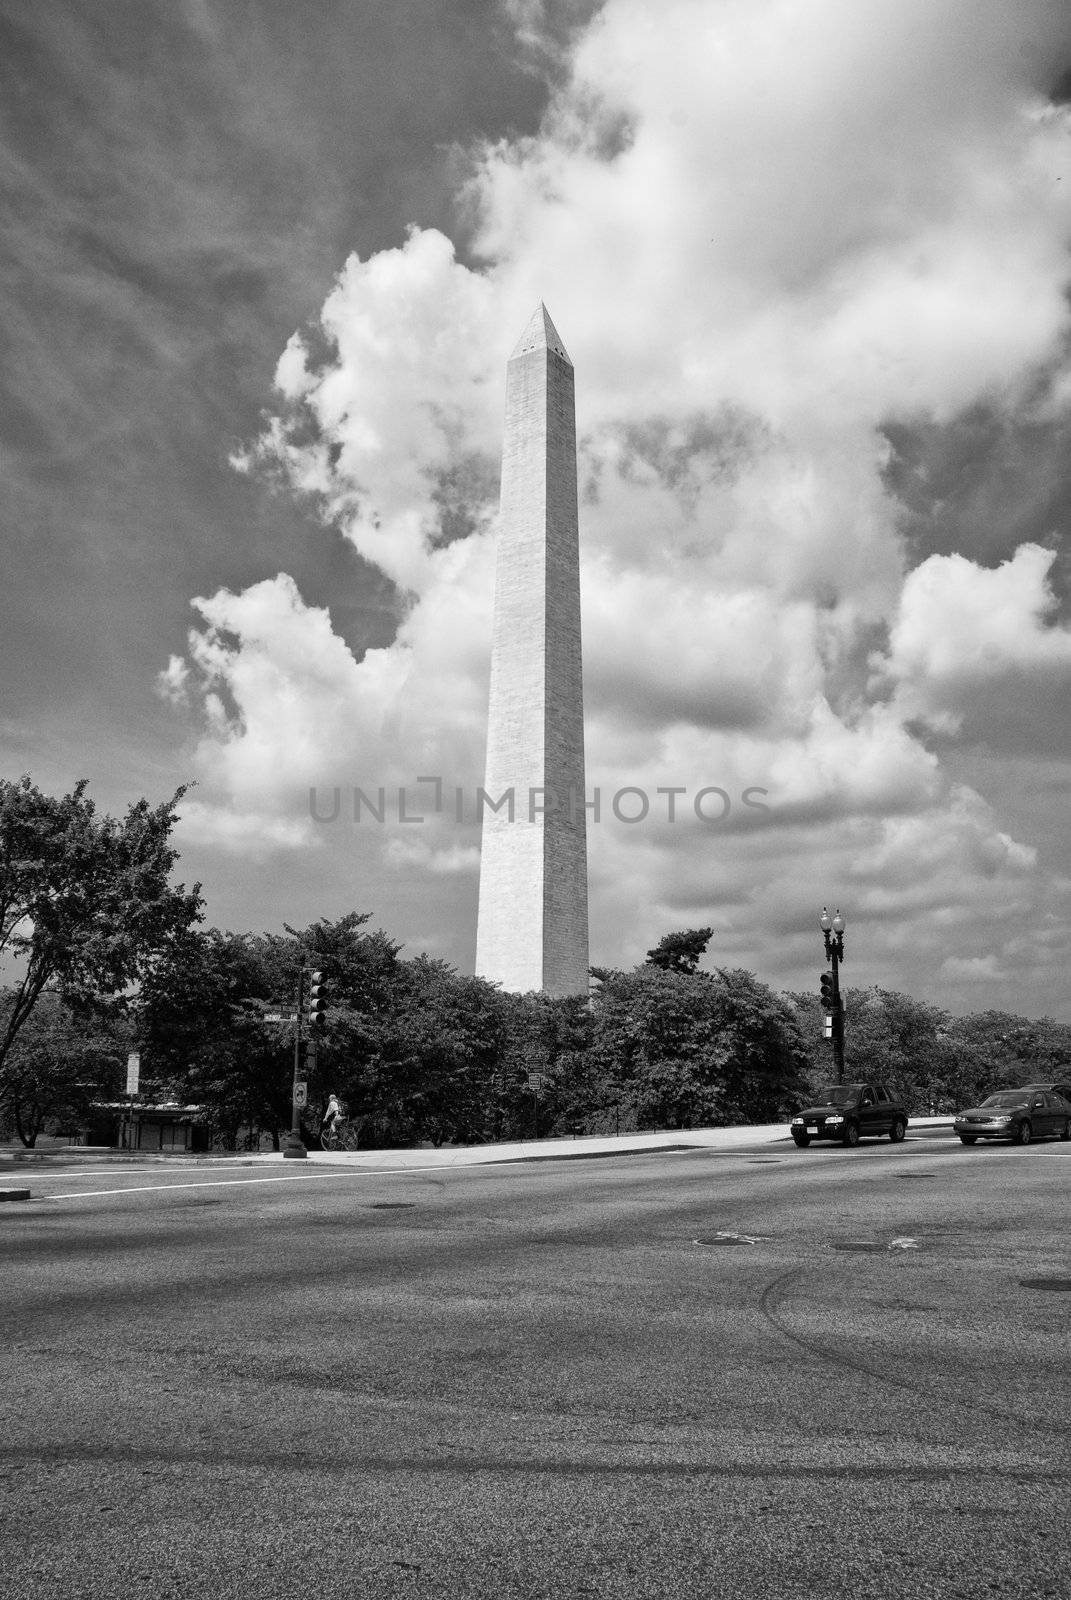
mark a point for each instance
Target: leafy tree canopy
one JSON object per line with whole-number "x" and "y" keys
{"x": 58, "y": 1065}
{"x": 86, "y": 905}
{"x": 680, "y": 952}
{"x": 688, "y": 1049}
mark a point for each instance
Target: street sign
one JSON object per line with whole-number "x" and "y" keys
{"x": 133, "y": 1071}
{"x": 280, "y": 1016}
{"x": 537, "y": 1080}
{"x": 301, "y": 1094}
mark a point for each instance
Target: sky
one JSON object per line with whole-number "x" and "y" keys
{"x": 263, "y": 264}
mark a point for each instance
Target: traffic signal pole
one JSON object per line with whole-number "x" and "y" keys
{"x": 295, "y": 1144}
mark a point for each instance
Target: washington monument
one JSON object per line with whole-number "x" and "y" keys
{"x": 532, "y": 931}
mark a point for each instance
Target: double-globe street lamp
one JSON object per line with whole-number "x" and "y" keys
{"x": 833, "y": 933}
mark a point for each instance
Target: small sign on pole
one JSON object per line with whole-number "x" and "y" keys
{"x": 133, "y": 1071}
{"x": 301, "y": 1094}
{"x": 536, "y": 1080}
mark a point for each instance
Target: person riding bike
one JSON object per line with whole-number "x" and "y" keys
{"x": 333, "y": 1117}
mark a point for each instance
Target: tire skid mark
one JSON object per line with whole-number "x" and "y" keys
{"x": 777, "y": 1290}
{"x": 295, "y": 1457}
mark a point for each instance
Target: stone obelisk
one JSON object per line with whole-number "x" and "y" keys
{"x": 532, "y": 931}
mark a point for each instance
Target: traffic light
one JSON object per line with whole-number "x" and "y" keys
{"x": 317, "y": 1002}
{"x": 826, "y": 980}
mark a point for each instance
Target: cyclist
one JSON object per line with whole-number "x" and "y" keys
{"x": 333, "y": 1117}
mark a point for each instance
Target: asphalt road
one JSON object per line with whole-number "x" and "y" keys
{"x": 765, "y": 1373}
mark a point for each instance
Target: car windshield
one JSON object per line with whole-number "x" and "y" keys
{"x": 1009, "y": 1099}
{"x": 839, "y": 1094}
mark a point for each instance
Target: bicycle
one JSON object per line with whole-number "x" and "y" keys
{"x": 331, "y": 1139}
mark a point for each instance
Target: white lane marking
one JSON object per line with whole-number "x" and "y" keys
{"x": 234, "y": 1183}
{"x": 168, "y": 1188}
{"x": 135, "y": 1172}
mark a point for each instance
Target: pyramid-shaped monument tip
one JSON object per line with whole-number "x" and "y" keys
{"x": 540, "y": 334}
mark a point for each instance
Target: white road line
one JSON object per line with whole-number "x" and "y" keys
{"x": 135, "y": 1172}
{"x": 234, "y": 1183}
{"x": 170, "y": 1188}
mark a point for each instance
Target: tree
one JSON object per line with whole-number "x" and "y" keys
{"x": 58, "y": 1066}
{"x": 85, "y": 901}
{"x": 551, "y": 1036}
{"x": 450, "y": 1032}
{"x": 890, "y": 1038}
{"x": 996, "y": 1050}
{"x": 680, "y": 1049}
{"x": 200, "y": 1024}
{"x": 680, "y": 952}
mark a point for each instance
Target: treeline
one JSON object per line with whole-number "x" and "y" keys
{"x": 419, "y": 1053}
{"x": 415, "y": 1050}
{"x": 113, "y": 958}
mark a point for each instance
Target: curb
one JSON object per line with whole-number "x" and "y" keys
{"x": 592, "y": 1155}
{"x": 77, "y": 1155}
{"x": 591, "y": 1147}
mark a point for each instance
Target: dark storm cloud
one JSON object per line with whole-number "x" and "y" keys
{"x": 682, "y": 454}
{"x": 465, "y": 493}
{"x": 983, "y": 484}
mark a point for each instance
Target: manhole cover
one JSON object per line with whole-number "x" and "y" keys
{"x": 1059, "y": 1285}
{"x": 720, "y": 1238}
{"x": 392, "y": 1205}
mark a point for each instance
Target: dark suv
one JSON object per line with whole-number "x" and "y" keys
{"x": 849, "y": 1112}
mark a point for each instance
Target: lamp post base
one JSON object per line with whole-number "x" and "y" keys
{"x": 294, "y": 1148}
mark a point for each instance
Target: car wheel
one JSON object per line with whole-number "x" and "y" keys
{"x": 898, "y": 1130}
{"x": 1065, "y": 1131}
{"x": 800, "y": 1140}
{"x": 851, "y": 1134}
{"x": 968, "y": 1138}
{"x": 1022, "y": 1133}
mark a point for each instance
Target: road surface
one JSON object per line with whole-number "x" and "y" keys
{"x": 745, "y": 1373}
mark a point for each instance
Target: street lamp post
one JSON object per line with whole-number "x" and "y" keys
{"x": 833, "y": 933}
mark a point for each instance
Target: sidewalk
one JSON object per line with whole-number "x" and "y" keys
{"x": 561, "y": 1149}
{"x": 564, "y": 1149}
{"x": 586, "y": 1147}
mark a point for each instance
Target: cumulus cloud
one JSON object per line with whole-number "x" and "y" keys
{"x": 405, "y": 397}
{"x": 172, "y": 682}
{"x": 765, "y": 232}
{"x": 961, "y": 631}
